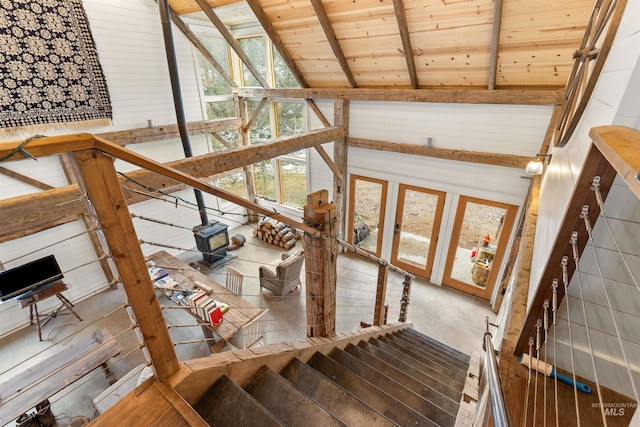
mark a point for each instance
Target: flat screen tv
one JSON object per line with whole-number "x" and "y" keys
{"x": 18, "y": 281}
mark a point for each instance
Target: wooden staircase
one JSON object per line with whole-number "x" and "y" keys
{"x": 400, "y": 378}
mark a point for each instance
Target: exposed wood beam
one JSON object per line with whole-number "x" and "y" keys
{"x": 254, "y": 116}
{"x": 277, "y": 41}
{"x": 121, "y": 153}
{"x": 325, "y": 156}
{"x": 25, "y": 215}
{"x": 447, "y": 95}
{"x": 245, "y": 141}
{"x": 202, "y": 48}
{"x": 163, "y": 132}
{"x": 495, "y": 159}
{"x": 102, "y": 185}
{"x": 325, "y": 23}
{"x": 340, "y": 155}
{"x": 318, "y": 113}
{"x": 71, "y": 171}
{"x": 495, "y": 40}
{"x": 221, "y": 140}
{"x": 224, "y": 31}
{"x": 398, "y": 5}
{"x": 27, "y": 180}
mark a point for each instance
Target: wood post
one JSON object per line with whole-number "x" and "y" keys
{"x": 340, "y": 119}
{"x": 105, "y": 192}
{"x": 320, "y": 265}
{"x": 404, "y": 302}
{"x": 70, "y": 168}
{"x": 381, "y": 291}
{"x": 243, "y": 137}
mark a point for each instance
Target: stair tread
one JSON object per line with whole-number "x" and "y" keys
{"x": 463, "y": 357}
{"x": 237, "y": 408}
{"x": 423, "y": 389}
{"x": 367, "y": 392}
{"x": 395, "y": 389}
{"x": 345, "y": 406}
{"x": 435, "y": 352}
{"x": 455, "y": 375}
{"x": 285, "y": 402}
{"x": 450, "y": 386}
{"x": 447, "y": 367}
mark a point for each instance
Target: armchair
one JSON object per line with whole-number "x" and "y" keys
{"x": 287, "y": 275}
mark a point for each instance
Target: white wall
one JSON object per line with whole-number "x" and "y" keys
{"x": 616, "y": 101}
{"x": 129, "y": 40}
{"x": 513, "y": 129}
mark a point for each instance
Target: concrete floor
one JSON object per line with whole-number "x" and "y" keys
{"x": 452, "y": 317}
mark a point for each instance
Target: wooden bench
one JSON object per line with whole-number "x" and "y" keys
{"x": 48, "y": 377}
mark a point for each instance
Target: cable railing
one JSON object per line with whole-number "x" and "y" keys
{"x": 580, "y": 319}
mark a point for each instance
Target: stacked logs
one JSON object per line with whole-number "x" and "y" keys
{"x": 275, "y": 232}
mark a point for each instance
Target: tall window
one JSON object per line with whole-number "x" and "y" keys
{"x": 282, "y": 180}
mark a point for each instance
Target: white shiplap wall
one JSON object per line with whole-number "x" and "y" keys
{"x": 615, "y": 101}
{"x": 129, "y": 40}
{"x": 514, "y": 129}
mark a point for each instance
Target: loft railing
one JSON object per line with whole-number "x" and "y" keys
{"x": 383, "y": 270}
{"x": 579, "y": 341}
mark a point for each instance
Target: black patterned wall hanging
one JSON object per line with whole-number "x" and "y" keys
{"x": 50, "y": 76}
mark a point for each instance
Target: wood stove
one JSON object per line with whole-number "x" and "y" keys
{"x": 212, "y": 240}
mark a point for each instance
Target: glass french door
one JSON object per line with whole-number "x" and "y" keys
{"x": 367, "y": 203}
{"x": 480, "y": 235}
{"x": 415, "y": 234}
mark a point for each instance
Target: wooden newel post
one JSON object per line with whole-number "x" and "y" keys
{"x": 381, "y": 291}
{"x": 320, "y": 265}
{"x": 404, "y": 302}
{"x": 107, "y": 197}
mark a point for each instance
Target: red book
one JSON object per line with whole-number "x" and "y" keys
{"x": 215, "y": 316}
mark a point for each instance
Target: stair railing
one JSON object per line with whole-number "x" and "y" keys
{"x": 383, "y": 270}
{"x": 490, "y": 379}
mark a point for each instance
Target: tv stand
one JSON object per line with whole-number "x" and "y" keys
{"x": 32, "y": 300}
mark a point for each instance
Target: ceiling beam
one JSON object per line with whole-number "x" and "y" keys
{"x": 401, "y": 16}
{"x": 495, "y": 40}
{"x": 277, "y": 41}
{"x": 325, "y": 23}
{"x": 163, "y": 132}
{"x": 27, "y": 180}
{"x": 201, "y": 48}
{"x": 25, "y": 215}
{"x": 494, "y": 159}
{"x": 446, "y": 95}
{"x": 224, "y": 31}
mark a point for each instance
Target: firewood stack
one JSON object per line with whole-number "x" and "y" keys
{"x": 275, "y": 232}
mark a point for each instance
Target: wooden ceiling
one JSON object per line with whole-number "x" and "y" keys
{"x": 451, "y": 40}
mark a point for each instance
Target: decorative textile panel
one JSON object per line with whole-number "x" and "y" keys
{"x": 50, "y": 76}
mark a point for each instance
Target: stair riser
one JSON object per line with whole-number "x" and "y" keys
{"x": 327, "y": 394}
{"x": 416, "y": 354}
{"x": 424, "y": 390}
{"x": 464, "y": 358}
{"x": 393, "y": 388}
{"x": 435, "y": 353}
{"x": 397, "y": 411}
{"x": 426, "y": 369}
{"x": 449, "y": 365}
{"x": 285, "y": 402}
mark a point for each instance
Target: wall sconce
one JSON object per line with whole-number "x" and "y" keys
{"x": 536, "y": 166}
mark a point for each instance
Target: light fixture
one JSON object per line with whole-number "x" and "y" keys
{"x": 535, "y": 167}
